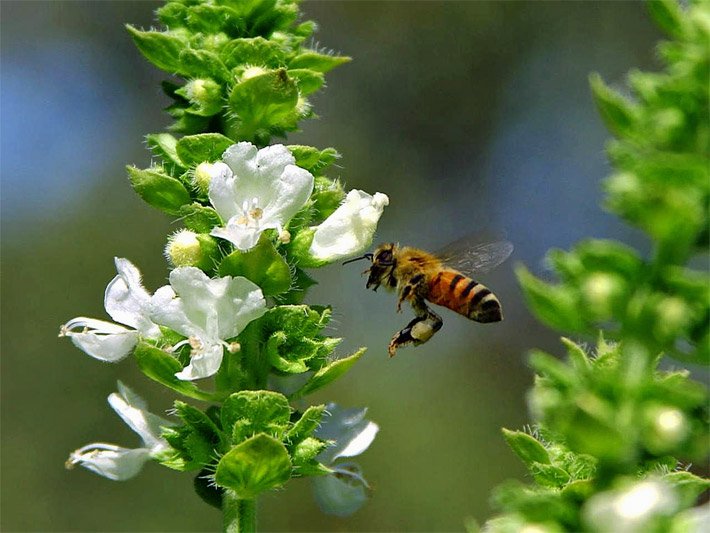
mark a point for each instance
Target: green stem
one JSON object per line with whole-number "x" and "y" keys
{"x": 239, "y": 515}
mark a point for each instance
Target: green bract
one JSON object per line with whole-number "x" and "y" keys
{"x": 611, "y": 428}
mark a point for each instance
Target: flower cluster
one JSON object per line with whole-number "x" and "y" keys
{"x": 611, "y": 428}
{"x": 231, "y": 319}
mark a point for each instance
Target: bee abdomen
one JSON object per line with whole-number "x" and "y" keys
{"x": 465, "y": 296}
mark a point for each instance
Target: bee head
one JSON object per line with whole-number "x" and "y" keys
{"x": 383, "y": 263}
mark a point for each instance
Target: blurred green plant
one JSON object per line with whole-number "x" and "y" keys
{"x": 255, "y": 215}
{"x": 612, "y": 429}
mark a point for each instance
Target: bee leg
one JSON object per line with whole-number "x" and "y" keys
{"x": 418, "y": 331}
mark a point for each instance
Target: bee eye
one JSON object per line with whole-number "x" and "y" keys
{"x": 384, "y": 257}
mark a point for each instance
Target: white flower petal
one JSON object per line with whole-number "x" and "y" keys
{"x": 350, "y": 431}
{"x": 242, "y": 303}
{"x": 342, "y": 493}
{"x": 221, "y": 191}
{"x": 350, "y": 228}
{"x": 102, "y": 340}
{"x": 262, "y": 190}
{"x": 203, "y": 364}
{"x": 147, "y": 425}
{"x": 166, "y": 310}
{"x": 242, "y": 237}
{"x": 110, "y": 461}
{"x": 290, "y": 193}
{"x": 241, "y": 158}
{"x": 126, "y": 300}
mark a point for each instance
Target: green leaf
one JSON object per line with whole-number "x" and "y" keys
{"x": 199, "y": 218}
{"x": 312, "y": 159}
{"x": 160, "y": 48}
{"x": 556, "y": 306}
{"x": 258, "y": 411}
{"x": 549, "y": 475}
{"x": 668, "y": 16}
{"x": 306, "y": 451}
{"x": 162, "y": 367}
{"x": 328, "y": 374}
{"x": 577, "y": 356}
{"x": 552, "y": 368}
{"x": 618, "y": 113}
{"x": 195, "y": 149}
{"x": 254, "y": 466}
{"x": 262, "y": 264}
{"x": 264, "y": 102}
{"x": 158, "y": 189}
{"x": 163, "y": 145}
{"x": 307, "y": 81}
{"x": 305, "y": 426}
{"x": 318, "y": 62}
{"x": 252, "y": 51}
{"x": 526, "y": 447}
{"x": 689, "y": 486}
{"x": 203, "y": 64}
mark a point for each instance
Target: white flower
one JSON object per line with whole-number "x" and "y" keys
{"x": 255, "y": 190}
{"x": 350, "y": 228}
{"x": 116, "y": 462}
{"x": 345, "y": 490}
{"x": 207, "y": 311}
{"x": 630, "y": 510}
{"x": 127, "y": 302}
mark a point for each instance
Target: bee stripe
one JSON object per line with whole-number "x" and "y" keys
{"x": 455, "y": 281}
{"x": 478, "y": 297}
{"x": 490, "y": 304}
{"x": 468, "y": 289}
{"x": 436, "y": 280}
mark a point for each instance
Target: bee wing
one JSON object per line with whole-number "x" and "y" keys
{"x": 471, "y": 256}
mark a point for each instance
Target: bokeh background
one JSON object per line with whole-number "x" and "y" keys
{"x": 468, "y": 115}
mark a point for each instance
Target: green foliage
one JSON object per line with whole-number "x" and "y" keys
{"x": 611, "y": 427}
{"x": 251, "y": 444}
{"x": 243, "y": 60}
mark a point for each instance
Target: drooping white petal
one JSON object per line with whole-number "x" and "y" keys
{"x": 203, "y": 363}
{"x": 350, "y": 431}
{"x": 341, "y": 493}
{"x": 126, "y": 300}
{"x": 102, "y": 340}
{"x": 350, "y": 228}
{"x": 110, "y": 461}
{"x": 241, "y": 236}
{"x": 147, "y": 425}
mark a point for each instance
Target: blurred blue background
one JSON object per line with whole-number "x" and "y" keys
{"x": 467, "y": 114}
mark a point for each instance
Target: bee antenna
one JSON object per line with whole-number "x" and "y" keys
{"x": 366, "y": 256}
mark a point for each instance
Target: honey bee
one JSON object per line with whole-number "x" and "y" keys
{"x": 441, "y": 278}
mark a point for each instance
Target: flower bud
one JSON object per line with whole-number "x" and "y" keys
{"x": 187, "y": 248}
{"x": 601, "y": 290}
{"x": 202, "y": 176}
{"x": 205, "y": 94}
{"x": 252, "y": 72}
{"x": 672, "y": 316}
{"x": 666, "y": 427}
